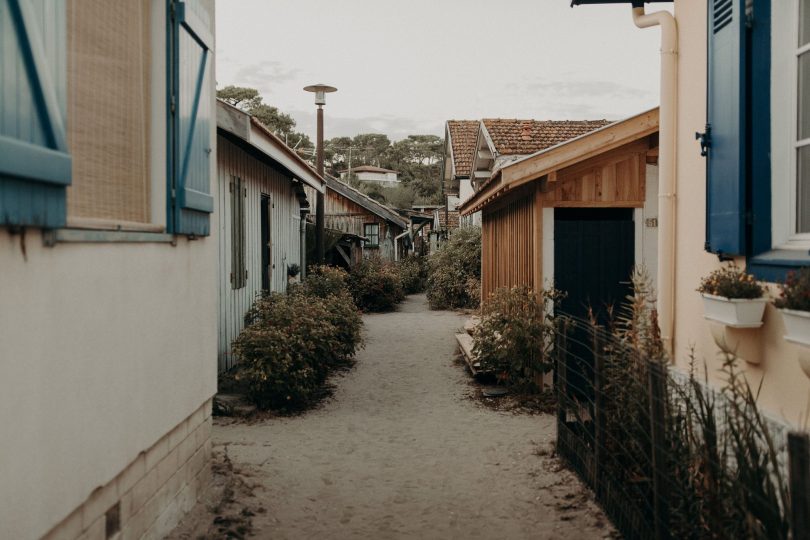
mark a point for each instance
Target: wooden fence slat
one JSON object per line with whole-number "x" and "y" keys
{"x": 799, "y": 471}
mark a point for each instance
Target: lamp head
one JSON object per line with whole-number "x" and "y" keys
{"x": 320, "y": 91}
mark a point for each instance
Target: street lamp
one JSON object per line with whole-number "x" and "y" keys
{"x": 320, "y": 91}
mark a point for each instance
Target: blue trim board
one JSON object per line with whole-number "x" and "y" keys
{"x": 773, "y": 266}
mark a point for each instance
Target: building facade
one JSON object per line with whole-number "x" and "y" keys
{"x": 263, "y": 209}
{"x": 108, "y": 235}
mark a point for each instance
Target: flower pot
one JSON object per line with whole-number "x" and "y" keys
{"x": 797, "y": 326}
{"x": 734, "y": 312}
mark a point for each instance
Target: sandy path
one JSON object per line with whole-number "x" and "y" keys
{"x": 402, "y": 452}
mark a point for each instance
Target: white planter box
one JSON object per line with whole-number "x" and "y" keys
{"x": 797, "y": 326}
{"x": 734, "y": 312}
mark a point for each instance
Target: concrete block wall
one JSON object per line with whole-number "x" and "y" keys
{"x": 150, "y": 496}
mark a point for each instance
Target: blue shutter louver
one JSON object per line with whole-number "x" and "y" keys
{"x": 35, "y": 166}
{"x": 726, "y": 105}
{"x": 191, "y": 118}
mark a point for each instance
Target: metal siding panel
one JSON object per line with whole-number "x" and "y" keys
{"x": 258, "y": 178}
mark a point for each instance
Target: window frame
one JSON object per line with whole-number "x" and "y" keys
{"x": 785, "y": 127}
{"x": 774, "y": 248}
{"x": 371, "y": 244}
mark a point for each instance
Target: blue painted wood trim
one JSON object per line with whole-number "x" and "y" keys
{"x": 773, "y": 266}
{"x": 759, "y": 199}
{"x": 727, "y": 118}
{"x": 195, "y": 108}
{"x": 196, "y": 27}
{"x": 32, "y": 162}
{"x": 196, "y": 200}
{"x": 172, "y": 54}
{"x": 39, "y": 76}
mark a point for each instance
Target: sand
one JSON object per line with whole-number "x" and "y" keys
{"x": 399, "y": 451}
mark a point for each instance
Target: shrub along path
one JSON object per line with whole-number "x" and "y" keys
{"x": 400, "y": 451}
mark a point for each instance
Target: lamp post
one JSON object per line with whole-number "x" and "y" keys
{"x": 320, "y": 91}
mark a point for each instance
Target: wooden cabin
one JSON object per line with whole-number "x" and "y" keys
{"x": 262, "y": 208}
{"x": 579, "y": 214}
{"x": 348, "y": 210}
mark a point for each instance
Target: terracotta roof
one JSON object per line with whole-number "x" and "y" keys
{"x": 463, "y": 134}
{"x": 522, "y": 137}
{"x": 368, "y": 168}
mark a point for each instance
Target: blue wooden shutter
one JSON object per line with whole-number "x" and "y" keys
{"x": 726, "y": 104}
{"x": 35, "y": 165}
{"x": 192, "y": 116}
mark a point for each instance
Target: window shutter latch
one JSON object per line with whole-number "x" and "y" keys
{"x": 705, "y": 139}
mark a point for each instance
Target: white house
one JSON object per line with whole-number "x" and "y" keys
{"x": 109, "y": 265}
{"x": 263, "y": 206}
{"x": 372, "y": 175}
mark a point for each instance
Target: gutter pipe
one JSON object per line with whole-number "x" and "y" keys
{"x": 667, "y": 183}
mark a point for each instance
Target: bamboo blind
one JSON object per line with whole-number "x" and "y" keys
{"x": 109, "y": 67}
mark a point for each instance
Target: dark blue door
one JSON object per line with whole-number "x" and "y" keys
{"x": 594, "y": 256}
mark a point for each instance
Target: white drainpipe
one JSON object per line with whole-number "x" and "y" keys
{"x": 396, "y": 244}
{"x": 666, "y": 167}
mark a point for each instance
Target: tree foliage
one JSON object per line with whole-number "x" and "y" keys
{"x": 416, "y": 158}
{"x": 282, "y": 124}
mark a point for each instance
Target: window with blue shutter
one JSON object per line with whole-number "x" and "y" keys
{"x": 35, "y": 166}
{"x": 191, "y": 117}
{"x": 726, "y": 128}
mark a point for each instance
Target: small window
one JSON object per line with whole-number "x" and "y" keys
{"x": 238, "y": 269}
{"x": 372, "y": 232}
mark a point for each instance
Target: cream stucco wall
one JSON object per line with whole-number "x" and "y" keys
{"x": 785, "y": 389}
{"x": 104, "y": 349}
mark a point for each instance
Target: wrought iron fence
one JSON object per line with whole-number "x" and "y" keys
{"x": 667, "y": 456}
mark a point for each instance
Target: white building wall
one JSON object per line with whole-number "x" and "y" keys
{"x": 259, "y": 179}
{"x": 104, "y": 349}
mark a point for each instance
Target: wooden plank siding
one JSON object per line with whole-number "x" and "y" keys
{"x": 258, "y": 178}
{"x": 512, "y": 226}
{"x": 507, "y": 243}
{"x": 345, "y": 215}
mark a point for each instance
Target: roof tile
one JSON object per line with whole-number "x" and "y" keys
{"x": 523, "y": 137}
{"x": 463, "y": 134}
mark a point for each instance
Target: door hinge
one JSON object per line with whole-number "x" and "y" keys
{"x": 705, "y": 139}
{"x": 173, "y": 103}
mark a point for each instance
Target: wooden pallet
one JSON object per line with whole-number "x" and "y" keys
{"x": 465, "y": 345}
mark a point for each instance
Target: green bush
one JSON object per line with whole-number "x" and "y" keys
{"x": 292, "y": 342}
{"x": 375, "y": 285}
{"x": 515, "y": 336}
{"x": 324, "y": 280}
{"x": 413, "y": 271}
{"x": 454, "y": 272}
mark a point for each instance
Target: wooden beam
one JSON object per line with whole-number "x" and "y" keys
{"x": 537, "y": 240}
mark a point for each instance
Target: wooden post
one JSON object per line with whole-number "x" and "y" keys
{"x": 599, "y": 407}
{"x": 657, "y": 395}
{"x": 799, "y": 470}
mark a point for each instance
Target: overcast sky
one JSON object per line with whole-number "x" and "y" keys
{"x": 405, "y": 66}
